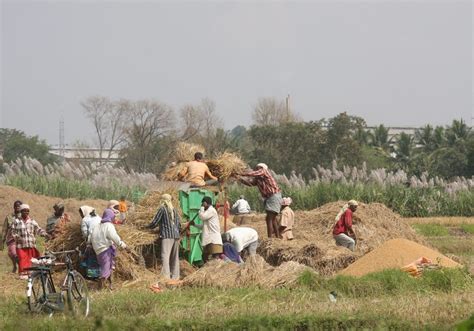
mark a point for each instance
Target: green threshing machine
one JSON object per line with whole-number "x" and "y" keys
{"x": 190, "y": 203}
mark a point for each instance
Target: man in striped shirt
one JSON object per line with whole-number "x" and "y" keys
{"x": 271, "y": 193}
{"x": 168, "y": 219}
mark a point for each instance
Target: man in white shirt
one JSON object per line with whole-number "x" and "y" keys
{"x": 211, "y": 230}
{"x": 241, "y": 206}
{"x": 242, "y": 238}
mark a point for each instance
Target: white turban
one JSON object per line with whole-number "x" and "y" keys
{"x": 352, "y": 203}
{"x": 24, "y": 206}
{"x": 112, "y": 203}
{"x": 262, "y": 165}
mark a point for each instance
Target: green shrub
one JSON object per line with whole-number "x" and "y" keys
{"x": 431, "y": 230}
{"x": 469, "y": 228}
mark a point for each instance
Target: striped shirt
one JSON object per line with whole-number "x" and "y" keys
{"x": 169, "y": 224}
{"x": 25, "y": 233}
{"x": 264, "y": 181}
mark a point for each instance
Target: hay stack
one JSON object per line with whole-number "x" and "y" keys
{"x": 255, "y": 272}
{"x": 314, "y": 244}
{"x": 129, "y": 264}
{"x": 184, "y": 152}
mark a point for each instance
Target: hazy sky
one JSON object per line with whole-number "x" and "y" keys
{"x": 400, "y": 63}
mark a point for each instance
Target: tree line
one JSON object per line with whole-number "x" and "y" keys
{"x": 146, "y": 132}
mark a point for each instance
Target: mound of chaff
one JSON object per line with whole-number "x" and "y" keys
{"x": 129, "y": 264}
{"x": 314, "y": 244}
{"x": 254, "y": 272}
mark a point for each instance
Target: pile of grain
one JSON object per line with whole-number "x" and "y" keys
{"x": 314, "y": 245}
{"x": 395, "y": 253}
{"x": 254, "y": 272}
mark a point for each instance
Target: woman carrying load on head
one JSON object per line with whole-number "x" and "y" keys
{"x": 342, "y": 230}
{"x": 103, "y": 238}
{"x": 167, "y": 218}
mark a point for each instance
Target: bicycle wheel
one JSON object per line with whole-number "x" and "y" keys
{"x": 78, "y": 295}
{"x": 37, "y": 297}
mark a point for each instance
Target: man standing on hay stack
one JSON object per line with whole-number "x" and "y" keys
{"x": 342, "y": 231}
{"x": 270, "y": 192}
{"x": 196, "y": 171}
{"x": 167, "y": 218}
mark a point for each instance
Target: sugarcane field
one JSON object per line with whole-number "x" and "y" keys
{"x": 236, "y": 165}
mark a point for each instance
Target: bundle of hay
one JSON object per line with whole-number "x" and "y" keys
{"x": 146, "y": 209}
{"x": 255, "y": 272}
{"x": 185, "y": 151}
{"x": 226, "y": 165}
{"x": 129, "y": 264}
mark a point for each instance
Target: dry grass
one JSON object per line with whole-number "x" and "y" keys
{"x": 255, "y": 272}
{"x": 185, "y": 151}
{"x": 226, "y": 165}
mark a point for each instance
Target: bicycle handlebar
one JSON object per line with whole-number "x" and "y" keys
{"x": 76, "y": 250}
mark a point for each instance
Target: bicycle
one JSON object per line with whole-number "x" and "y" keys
{"x": 42, "y": 294}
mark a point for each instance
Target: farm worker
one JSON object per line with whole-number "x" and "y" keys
{"x": 122, "y": 208}
{"x": 7, "y": 237}
{"x": 113, "y": 206}
{"x": 89, "y": 221}
{"x": 211, "y": 230}
{"x": 270, "y": 192}
{"x": 103, "y": 238}
{"x": 57, "y": 221}
{"x": 24, "y": 231}
{"x": 241, "y": 209}
{"x": 242, "y": 238}
{"x": 197, "y": 171}
{"x": 342, "y": 231}
{"x": 167, "y": 218}
{"x": 287, "y": 219}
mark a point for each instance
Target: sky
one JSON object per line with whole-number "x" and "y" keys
{"x": 397, "y": 63}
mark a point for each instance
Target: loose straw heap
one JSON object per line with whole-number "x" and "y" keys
{"x": 255, "y": 272}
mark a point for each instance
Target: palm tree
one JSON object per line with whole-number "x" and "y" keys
{"x": 379, "y": 138}
{"x": 424, "y": 137}
{"x": 458, "y": 131}
{"x": 404, "y": 149}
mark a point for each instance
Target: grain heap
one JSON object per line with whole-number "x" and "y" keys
{"x": 255, "y": 272}
{"x": 314, "y": 245}
{"x": 395, "y": 254}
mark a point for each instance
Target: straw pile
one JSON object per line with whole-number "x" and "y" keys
{"x": 129, "y": 264}
{"x": 314, "y": 245}
{"x": 184, "y": 152}
{"x": 226, "y": 165}
{"x": 255, "y": 272}
{"x": 146, "y": 209}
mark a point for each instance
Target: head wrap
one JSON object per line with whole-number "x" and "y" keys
{"x": 112, "y": 203}
{"x": 58, "y": 205}
{"x": 108, "y": 216}
{"x": 166, "y": 201}
{"x": 24, "y": 206}
{"x": 286, "y": 201}
{"x": 86, "y": 210}
{"x": 344, "y": 208}
{"x": 262, "y": 165}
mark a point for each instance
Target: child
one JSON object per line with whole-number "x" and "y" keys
{"x": 123, "y": 209}
{"x": 287, "y": 219}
